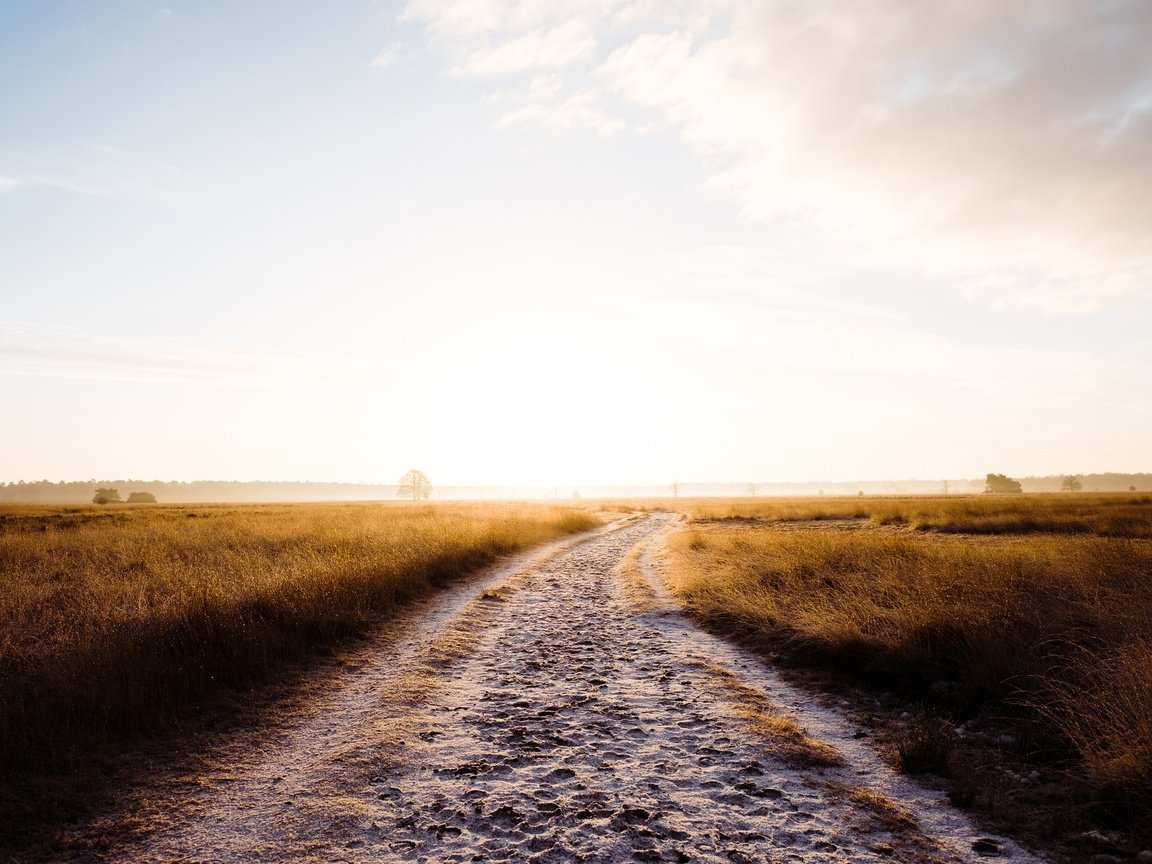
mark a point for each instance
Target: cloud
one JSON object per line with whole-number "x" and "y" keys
{"x": 65, "y": 352}
{"x": 1007, "y": 146}
{"x": 546, "y": 102}
{"x": 66, "y": 185}
{"x": 392, "y": 53}
{"x": 7, "y": 184}
{"x": 547, "y": 48}
{"x": 100, "y": 170}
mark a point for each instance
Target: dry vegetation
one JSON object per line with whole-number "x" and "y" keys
{"x": 784, "y": 737}
{"x": 115, "y": 623}
{"x": 1035, "y": 608}
{"x": 1108, "y": 515}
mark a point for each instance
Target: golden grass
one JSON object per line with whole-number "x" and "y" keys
{"x": 884, "y": 813}
{"x": 896, "y": 833}
{"x": 1109, "y": 515}
{"x": 114, "y": 622}
{"x": 1052, "y": 619}
{"x": 793, "y": 744}
{"x": 786, "y": 739}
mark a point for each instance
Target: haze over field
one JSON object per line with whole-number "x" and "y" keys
{"x": 564, "y": 243}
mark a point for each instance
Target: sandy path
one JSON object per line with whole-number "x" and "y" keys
{"x": 573, "y": 716}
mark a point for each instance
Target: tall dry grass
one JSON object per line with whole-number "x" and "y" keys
{"x": 115, "y": 622}
{"x": 1056, "y": 623}
{"x": 1109, "y": 515}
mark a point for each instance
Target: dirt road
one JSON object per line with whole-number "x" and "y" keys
{"x": 557, "y": 710}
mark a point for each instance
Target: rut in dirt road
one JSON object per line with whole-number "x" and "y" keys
{"x": 562, "y": 720}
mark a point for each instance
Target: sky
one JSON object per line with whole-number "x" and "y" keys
{"x": 544, "y": 242}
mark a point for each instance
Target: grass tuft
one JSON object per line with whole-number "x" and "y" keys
{"x": 786, "y": 739}
{"x": 924, "y": 745}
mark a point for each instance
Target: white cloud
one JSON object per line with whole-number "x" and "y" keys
{"x": 8, "y": 183}
{"x": 1005, "y": 145}
{"x": 546, "y": 48}
{"x": 390, "y": 54}
{"x": 457, "y": 19}
{"x": 568, "y": 112}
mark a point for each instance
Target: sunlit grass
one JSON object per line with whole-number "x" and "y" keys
{"x": 784, "y": 737}
{"x": 114, "y": 622}
{"x": 1043, "y": 603}
{"x": 1112, "y": 515}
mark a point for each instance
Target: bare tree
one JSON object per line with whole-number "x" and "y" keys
{"x": 414, "y": 485}
{"x": 753, "y": 488}
{"x": 1071, "y": 484}
{"x": 675, "y": 487}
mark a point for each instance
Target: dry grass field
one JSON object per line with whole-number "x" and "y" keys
{"x": 1035, "y": 610}
{"x": 1104, "y": 515}
{"x": 117, "y": 622}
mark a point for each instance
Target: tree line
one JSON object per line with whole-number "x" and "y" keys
{"x": 112, "y": 496}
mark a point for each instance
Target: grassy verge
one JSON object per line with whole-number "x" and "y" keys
{"x": 118, "y": 623}
{"x": 1037, "y": 610}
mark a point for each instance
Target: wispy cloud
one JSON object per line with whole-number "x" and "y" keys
{"x": 8, "y": 183}
{"x": 390, "y": 55}
{"x": 546, "y": 102}
{"x": 1006, "y": 146}
{"x": 64, "y": 352}
{"x": 544, "y": 48}
{"x": 66, "y": 185}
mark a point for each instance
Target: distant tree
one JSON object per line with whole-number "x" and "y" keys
{"x": 414, "y": 485}
{"x": 753, "y": 488}
{"x": 1131, "y": 488}
{"x": 106, "y": 496}
{"x": 141, "y": 498}
{"x": 675, "y": 487}
{"x": 1071, "y": 484}
{"x": 999, "y": 483}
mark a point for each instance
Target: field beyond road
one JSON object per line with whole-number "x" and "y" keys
{"x": 118, "y": 623}
{"x": 1025, "y": 621}
{"x": 561, "y": 702}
